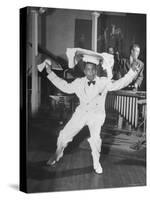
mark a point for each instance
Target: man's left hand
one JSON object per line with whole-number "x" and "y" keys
{"x": 135, "y": 87}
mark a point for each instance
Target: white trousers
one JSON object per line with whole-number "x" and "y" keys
{"x": 94, "y": 120}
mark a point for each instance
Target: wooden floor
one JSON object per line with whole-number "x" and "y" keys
{"x": 74, "y": 171}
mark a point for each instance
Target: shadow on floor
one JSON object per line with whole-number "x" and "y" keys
{"x": 41, "y": 171}
{"x": 14, "y": 186}
{"x": 130, "y": 162}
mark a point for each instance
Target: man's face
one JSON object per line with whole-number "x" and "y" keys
{"x": 90, "y": 71}
{"x": 111, "y": 50}
{"x": 135, "y": 52}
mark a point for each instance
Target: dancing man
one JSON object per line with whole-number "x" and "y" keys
{"x": 91, "y": 91}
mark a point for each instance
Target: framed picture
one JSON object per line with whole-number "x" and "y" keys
{"x": 82, "y": 99}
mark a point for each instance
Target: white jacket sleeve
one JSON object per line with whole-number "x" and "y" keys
{"x": 61, "y": 84}
{"x": 122, "y": 82}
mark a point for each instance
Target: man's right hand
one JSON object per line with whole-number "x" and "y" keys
{"x": 135, "y": 66}
{"x": 48, "y": 66}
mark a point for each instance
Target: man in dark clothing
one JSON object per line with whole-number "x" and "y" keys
{"x": 126, "y": 63}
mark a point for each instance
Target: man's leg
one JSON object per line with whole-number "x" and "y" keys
{"x": 74, "y": 125}
{"x": 96, "y": 142}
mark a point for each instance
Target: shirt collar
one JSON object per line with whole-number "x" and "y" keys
{"x": 95, "y": 79}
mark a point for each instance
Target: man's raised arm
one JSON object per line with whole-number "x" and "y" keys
{"x": 124, "y": 81}
{"x": 59, "y": 82}
{"x": 62, "y": 84}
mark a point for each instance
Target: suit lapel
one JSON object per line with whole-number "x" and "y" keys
{"x": 90, "y": 91}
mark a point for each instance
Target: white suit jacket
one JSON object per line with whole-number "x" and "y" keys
{"x": 91, "y": 98}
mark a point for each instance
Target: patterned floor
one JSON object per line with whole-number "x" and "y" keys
{"x": 123, "y": 166}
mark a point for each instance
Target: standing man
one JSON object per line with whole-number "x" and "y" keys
{"x": 126, "y": 63}
{"x": 91, "y": 91}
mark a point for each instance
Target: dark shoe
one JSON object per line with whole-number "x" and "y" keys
{"x": 52, "y": 161}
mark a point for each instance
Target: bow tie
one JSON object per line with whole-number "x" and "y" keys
{"x": 91, "y": 82}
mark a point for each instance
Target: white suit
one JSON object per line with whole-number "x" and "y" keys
{"x": 91, "y": 110}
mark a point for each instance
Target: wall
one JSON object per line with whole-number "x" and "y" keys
{"x": 133, "y": 30}
{"x": 60, "y": 29}
{"x": 58, "y": 33}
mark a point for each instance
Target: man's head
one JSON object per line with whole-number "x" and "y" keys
{"x": 111, "y": 50}
{"x": 90, "y": 71}
{"x": 135, "y": 51}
